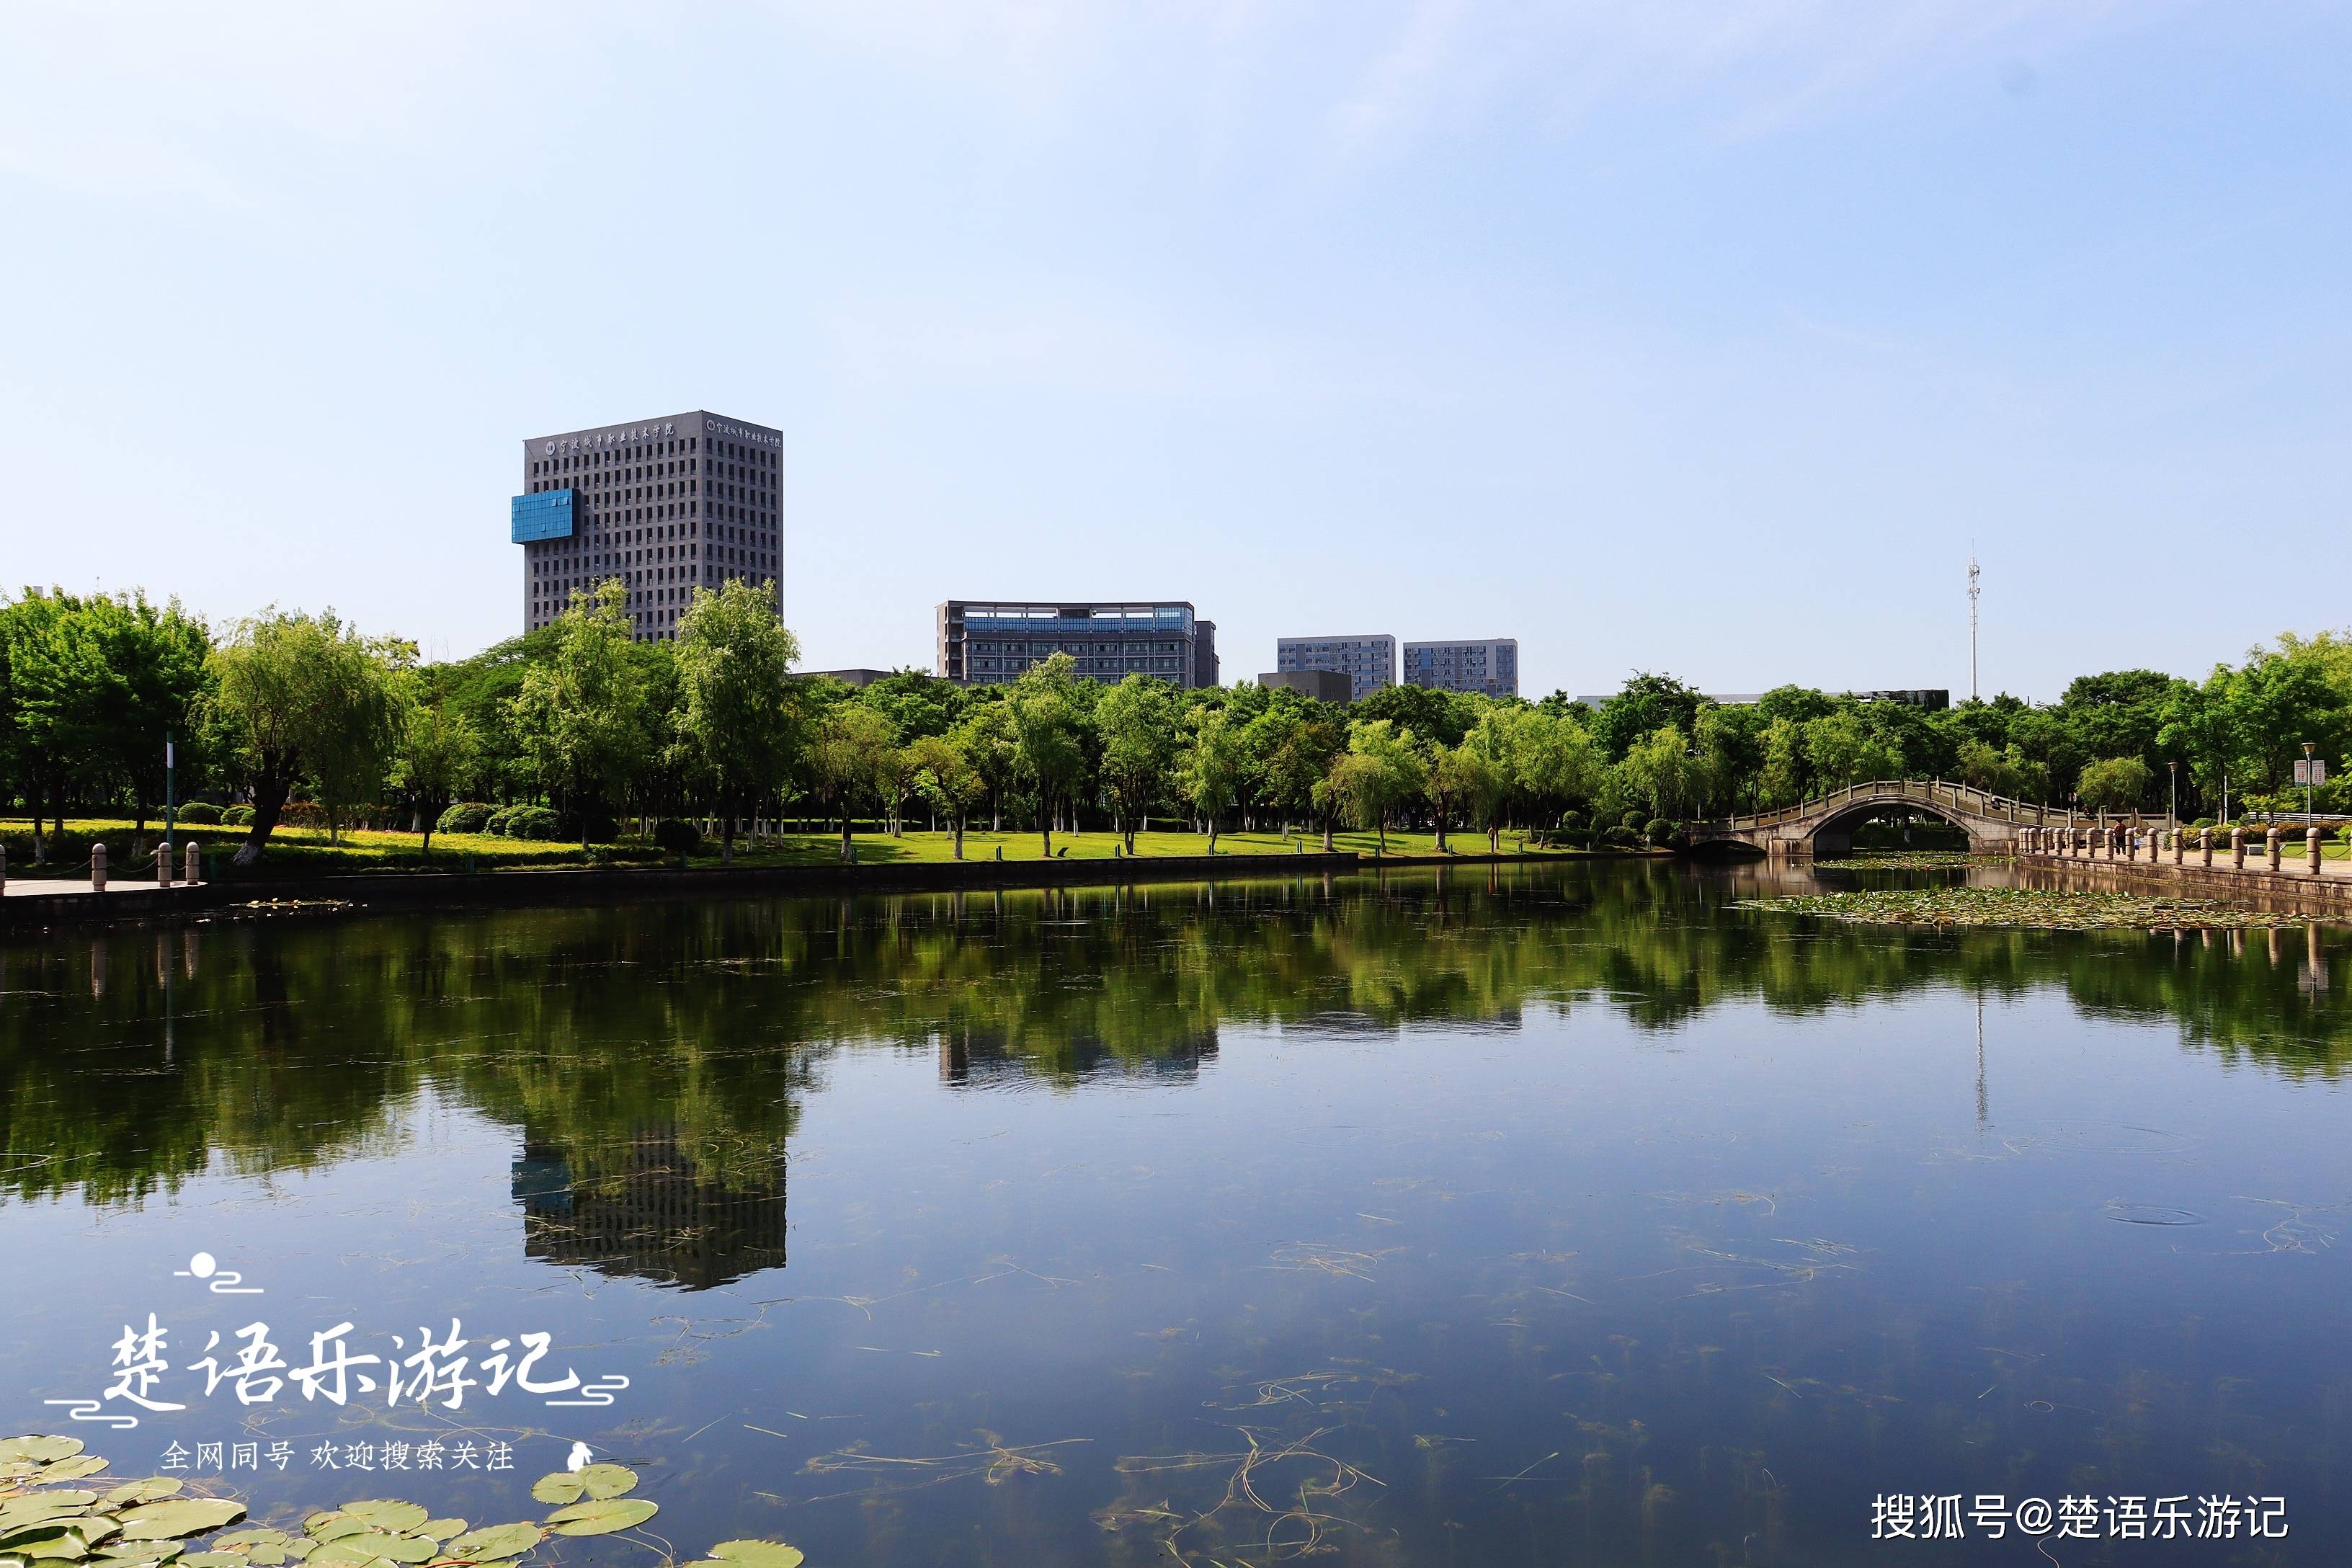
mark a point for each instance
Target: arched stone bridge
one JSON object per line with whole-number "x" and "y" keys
{"x": 1825, "y": 826}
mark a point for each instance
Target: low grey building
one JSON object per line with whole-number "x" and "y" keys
{"x": 1490, "y": 665}
{"x": 665, "y": 505}
{"x": 1369, "y": 662}
{"x": 1323, "y": 685}
{"x": 990, "y": 642}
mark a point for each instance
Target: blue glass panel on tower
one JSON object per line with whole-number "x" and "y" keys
{"x": 547, "y": 515}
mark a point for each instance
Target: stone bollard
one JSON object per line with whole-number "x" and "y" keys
{"x": 2311, "y": 848}
{"x": 196, "y": 864}
{"x": 98, "y": 867}
{"x": 2270, "y": 845}
{"x": 2177, "y": 846}
{"x": 162, "y": 864}
{"x": 2237, "y": 848}
{"x": 2205, "y": 847}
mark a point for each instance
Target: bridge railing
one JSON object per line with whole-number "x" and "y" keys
{"x": 1965, "y": 799}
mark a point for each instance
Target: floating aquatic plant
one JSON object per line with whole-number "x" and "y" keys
{"x": 2022, "y": 909}
{"x": 151, "y": 1523}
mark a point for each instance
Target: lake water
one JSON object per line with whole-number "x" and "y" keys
{"x": 1521, "y": 1217}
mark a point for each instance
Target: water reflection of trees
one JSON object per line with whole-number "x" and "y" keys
{"x": 128, "y": 1063}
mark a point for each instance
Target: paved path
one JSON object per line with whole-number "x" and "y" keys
{"x": 31, "y": 887}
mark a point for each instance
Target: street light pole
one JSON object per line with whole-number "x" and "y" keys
{"x": 168, "y": 781}
{"x": 2308, "y": 747}
{"x": 2175, "y": 766}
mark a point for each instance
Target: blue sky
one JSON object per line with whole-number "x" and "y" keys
{"x": 1700, "y": 338}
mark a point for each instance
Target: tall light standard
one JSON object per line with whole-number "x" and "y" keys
{"x": 2175, "y": 766}
{"x": 2308, "y": 779}
{"x": 167, "y": 800}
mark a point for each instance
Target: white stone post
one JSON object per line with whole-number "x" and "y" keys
{"x": 2311, "y": 848}
{"x": 2237, "y": 848}
{"x": 2205, "y": 847}
{"x": 196, "y": 864}
{"x": 2270, "y": 845}
{"x": 98, "y": 867}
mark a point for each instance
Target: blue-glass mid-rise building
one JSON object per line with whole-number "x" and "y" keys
{"x": 1486, "y": 665}
{"x": 989, "y": 642}
{"x": 662, "y": 506}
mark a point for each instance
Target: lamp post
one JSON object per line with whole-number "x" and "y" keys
{"x": 2175, "y": 766}
{"x": 167, "y": 799}
{"x": 2308, "y": 747}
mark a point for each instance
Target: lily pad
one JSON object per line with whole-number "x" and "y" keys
{"x": 47, "y": 1450}
{"x": 71, "y": 1469}
{"x": 373, "y": 1545}
{"x": 136, "y": 1554}
{"x": 245, "y": 1539}
{"x": 496, "y": 1540}
{"x": 601, "y": 1481}
{"x": 758, "y": 1553}
{"x": 557, "y": 1486}
{"x": 332, "y": 1526}
{"x": 180, "y": 1516}
{"x": 154, "y": 1489}
{"x": 386, "y": 1514}
{"x": 68, "y": 1539}
{"x": 601, "y": 1516}
{"x": 41, "y": 1507}
{"x": 213, "y": 1560}
{"x": 441, "y": 1529}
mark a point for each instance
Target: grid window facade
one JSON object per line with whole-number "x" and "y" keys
{"x": 1369, "y": 663}
{"x": 988, "y": 644}
{"x": 663, "y": 506}
{"x": 1490, "y": 667}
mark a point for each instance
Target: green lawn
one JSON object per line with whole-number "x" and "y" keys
{"x": 307, "y": 849}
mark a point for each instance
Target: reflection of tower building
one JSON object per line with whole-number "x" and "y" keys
{"x": 976, "y": 1056}
{"x": 643, "y": 1208}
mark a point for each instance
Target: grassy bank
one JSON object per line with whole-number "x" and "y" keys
{"x": 306, "y": 850}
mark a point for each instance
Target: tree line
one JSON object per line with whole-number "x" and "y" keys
{"x": 287, "y": 712}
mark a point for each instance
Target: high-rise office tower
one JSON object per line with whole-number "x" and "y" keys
{"x": 665, "y": 505}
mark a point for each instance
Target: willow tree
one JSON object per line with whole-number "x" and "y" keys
{"x": 736, "y": 732}
{"x": 1379, "y": 770}
{"x": 1137, "y": 719}
{"x": 297, "y": 695}
{"x": 1047, "y": 726}
{"x": 579, "y": 715}
{"x": 1213, "y": 767}
{"x": 855, "y": 748}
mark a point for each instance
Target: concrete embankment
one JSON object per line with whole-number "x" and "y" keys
{"x": 133, "y": 902}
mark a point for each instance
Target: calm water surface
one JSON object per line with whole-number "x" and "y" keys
{"x": 1544, "y": 1216}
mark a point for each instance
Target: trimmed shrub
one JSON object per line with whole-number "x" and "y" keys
{"x": 302, "y": 814}
{"x": 532, "y": 822}
{"x": 237, "y": 816}
{"x": 1630, "y": 821}
{"x": 203, "y": 813}
{"x": 465, "y": 816}
{"x": 1656, "y": 829}
{"x": 495, "y": 823}
{"x": 675, "y": 837}
{"x": 1622, "y": 838}
{"x": 1572, "y": 820}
